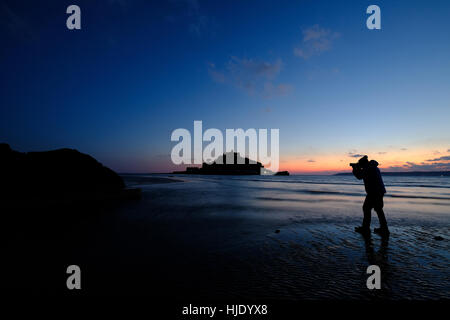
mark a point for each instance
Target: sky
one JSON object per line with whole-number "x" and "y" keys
{"x": 137, "y": 70}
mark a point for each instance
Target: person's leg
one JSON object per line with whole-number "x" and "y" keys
{"x": 378, "y": 206}
{"x": 367, "y": 208}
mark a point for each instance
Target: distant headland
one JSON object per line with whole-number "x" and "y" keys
{"x": 408, "y": 174}
{"x": 237, "y": 166}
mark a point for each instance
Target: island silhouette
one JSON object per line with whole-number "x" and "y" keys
{"x": 237, "y": 166}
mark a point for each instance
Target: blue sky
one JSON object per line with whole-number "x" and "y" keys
{"x": 137, "y": 70}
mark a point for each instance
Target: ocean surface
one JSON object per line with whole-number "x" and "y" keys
{"x": 277, "y": 238}
{"x": 412, "y": 195}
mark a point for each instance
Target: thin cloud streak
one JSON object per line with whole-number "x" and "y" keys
{"x": 316, "y": 40}
{"x": 256, "y": 77}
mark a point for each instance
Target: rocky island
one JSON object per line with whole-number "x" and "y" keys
{"x": 237, "y": 166}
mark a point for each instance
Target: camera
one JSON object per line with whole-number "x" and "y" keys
{"x": 361, "y": 162}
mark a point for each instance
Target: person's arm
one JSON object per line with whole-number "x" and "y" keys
{"x": 358, "y": 172}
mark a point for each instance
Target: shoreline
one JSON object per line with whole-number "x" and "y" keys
{"x": 137, "y": 179}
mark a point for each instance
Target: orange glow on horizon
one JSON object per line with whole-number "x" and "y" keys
{"x": 332, "y": 163}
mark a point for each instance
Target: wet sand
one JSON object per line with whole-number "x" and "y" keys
{"x": 214, "y": 239}
{"x": 201, "y": 239}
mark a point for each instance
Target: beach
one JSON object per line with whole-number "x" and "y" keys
{"x": 239, "y": 238}
{"x": 215, "y": 238}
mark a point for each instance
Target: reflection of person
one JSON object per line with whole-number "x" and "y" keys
{"x": 376, "y": 257}
{"x": 373, "y": 183}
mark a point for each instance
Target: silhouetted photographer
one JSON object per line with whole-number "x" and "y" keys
{"x": 373, "y": 183}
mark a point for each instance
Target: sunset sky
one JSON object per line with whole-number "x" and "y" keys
{"x": 137, "y": 70}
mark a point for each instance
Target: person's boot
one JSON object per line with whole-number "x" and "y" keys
{"x": 382, "y": 231}
{"x": 362, "y": 230}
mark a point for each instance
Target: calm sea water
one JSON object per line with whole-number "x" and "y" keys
{"x": 427, "y": 197}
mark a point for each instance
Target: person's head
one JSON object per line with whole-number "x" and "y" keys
{"x": 363, "y": 162}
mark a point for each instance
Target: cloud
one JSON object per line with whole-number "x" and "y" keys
{"x": 216, "y": 75}
{"x": 355, "y": 155}
{"x": 311, "y": 160}
{"x": 448, "y": 150}
{"x": 411, "y": 166}
{"x": 315, "y": 41}
{"x": 437, "y": 164}
{"x": 403, "y": 149}
{"x": 256, "y": 77}
{"x": 276, "y": 90}
{"x": 444, "y": 158}
{"x": 382, "y": 152}
{"x": 249, "y": 67}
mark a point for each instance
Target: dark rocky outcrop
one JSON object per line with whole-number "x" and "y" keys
{"x": 58, "y": 176}
{"x": 49, "y": 203}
